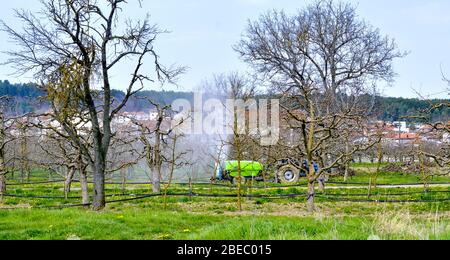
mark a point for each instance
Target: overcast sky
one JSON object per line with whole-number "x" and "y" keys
{"x": 203, "y": 32}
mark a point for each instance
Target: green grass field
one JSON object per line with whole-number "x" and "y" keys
{"x": 148, "y": 223}
{"x": 274, "y": 218}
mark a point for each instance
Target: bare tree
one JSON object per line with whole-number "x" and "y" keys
{"x": 59, "y": 151}
{"x": 439, "y": 154}
{"x": 124, "y": 153}
{"x": 325, "y": 62}
{"x": 88, "y": 40}
{"x": 23, "y": 136}
{"x": 5, "y": 138}
{"x": 154, "y": 135}
{"x": 9, "y": 138}
{"x": 175, "y": 160}
{"x": 238, "y": 89}
{"x": 374, "y": 178}
{"x": 3, "y": 169}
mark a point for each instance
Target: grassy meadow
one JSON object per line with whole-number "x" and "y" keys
{"x": 273, "y": 213}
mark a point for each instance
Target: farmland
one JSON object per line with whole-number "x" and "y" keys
{"x": 127, "y": 120}
{"x": 39, "y": 211}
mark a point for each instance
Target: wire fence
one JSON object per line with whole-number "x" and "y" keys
{"x": 338, "y": 197}
{"x": 329, "y": 197}
{"x": 267, "y": 185}
{"x": 35, "y": 183}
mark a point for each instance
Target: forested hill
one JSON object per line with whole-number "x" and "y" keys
{"x": 19, "y": 90}
{"x": 26, "y": 96}
{"x": 395, "y": 109}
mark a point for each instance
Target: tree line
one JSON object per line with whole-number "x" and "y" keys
{"x": 388, "y": 108}
{"x": 399, "y": 109}
{"x": 30, "y": 98}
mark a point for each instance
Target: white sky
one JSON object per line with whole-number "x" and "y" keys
{"x": 203, "y": 32}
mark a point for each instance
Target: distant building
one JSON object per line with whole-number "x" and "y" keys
{"x": 401, "y": 138}
{"x": 401, "y": 126}
{"x": 127, "y": 117}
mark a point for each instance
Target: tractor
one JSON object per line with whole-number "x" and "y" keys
{"x": 287, "y": 171}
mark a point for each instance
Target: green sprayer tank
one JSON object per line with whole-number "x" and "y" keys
{"x": 249, "y": 169}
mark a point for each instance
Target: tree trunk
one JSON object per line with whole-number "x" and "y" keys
{"x": 346, "y": 173}
{"x": 22, "y": 176}
{"x": 312, "y": 171}
{"x": 239, "y": 183}
{"x": 2, "y": 182}
{"x": 123, "y": 174}
{"x": 68, "y": 182}
{"x": 346, "y": 161}
{"x": 25, "y": 171}
{"x": 84, "y": 188}
{"x": 237, "y": 144}
{"x": 380, "y": 161}
{"x": 2, "y": 157}
{"x": 311, "y": 195}
{"x": 2, "y": 174}
{"x": 156, "y": 180}
{"x": 99, "y": 199}
{"x": 172, "y": 169}
{"x": 156, "y": 173}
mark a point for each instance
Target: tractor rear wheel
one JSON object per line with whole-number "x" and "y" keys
{"x": 288, "y": 174}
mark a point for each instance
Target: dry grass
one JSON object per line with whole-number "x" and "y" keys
{"x": 388, "y": 224}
